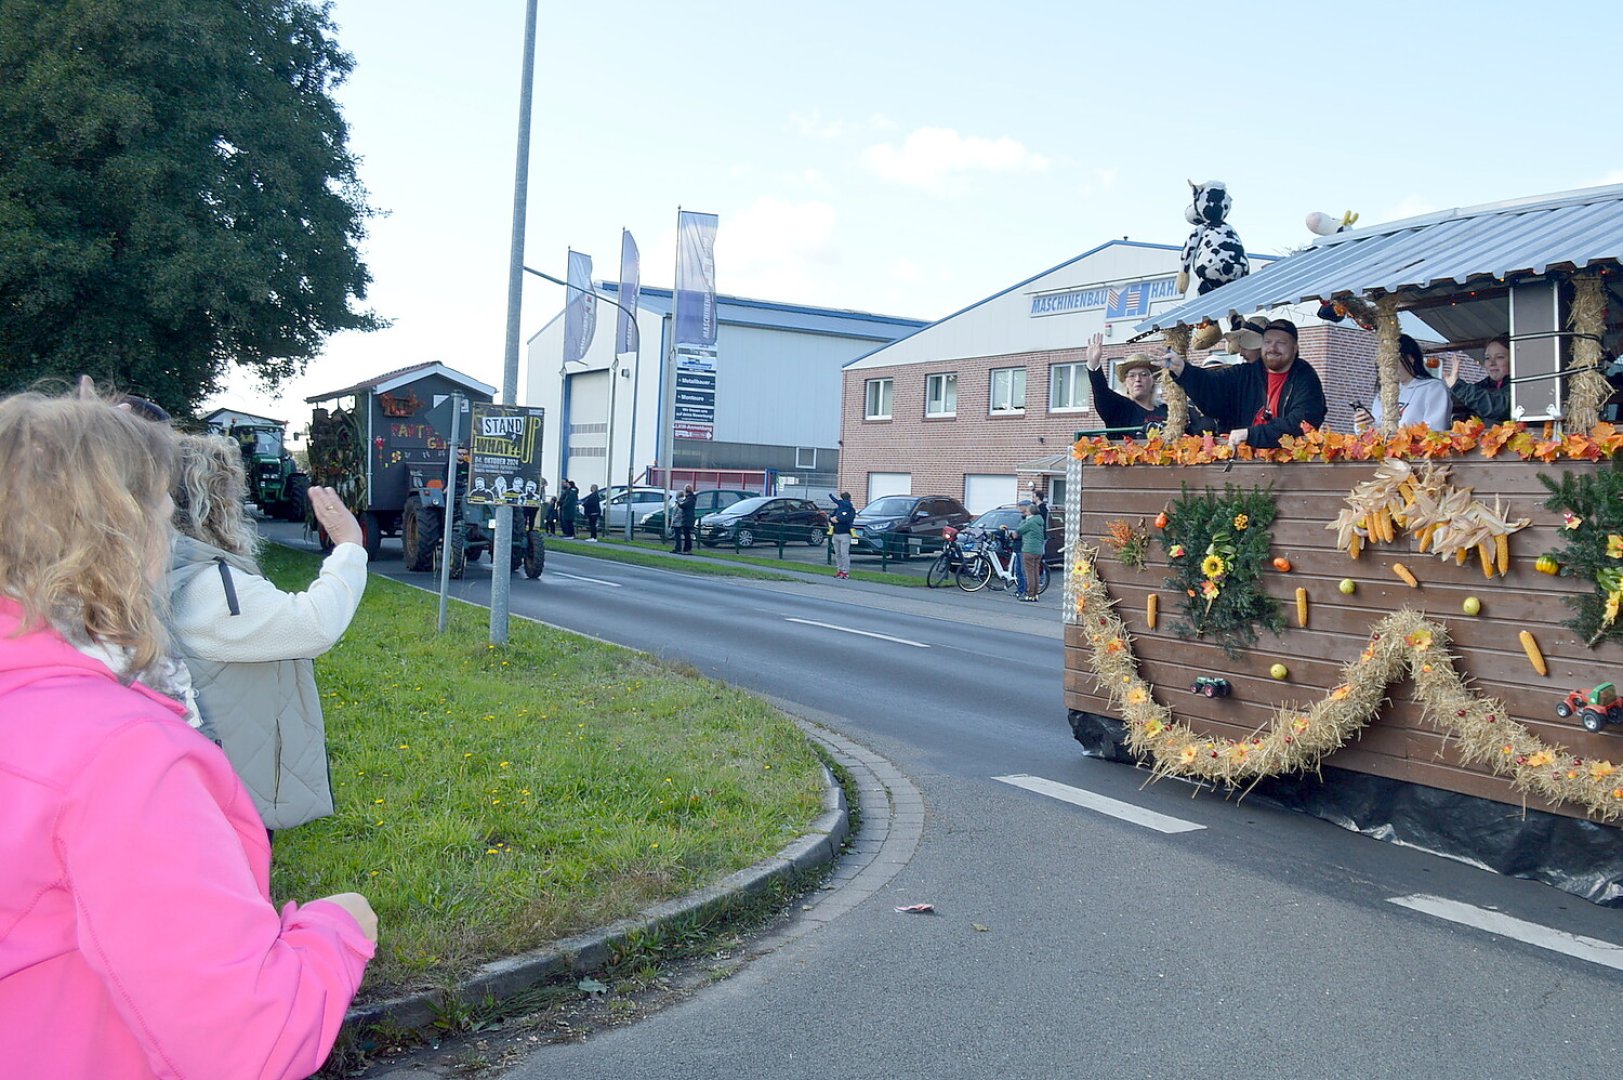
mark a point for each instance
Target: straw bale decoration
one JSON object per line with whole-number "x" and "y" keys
{"x": 1386, "y": 362}
{"x": 1177, "y": 339}
{"x": 1402, "y": 644}
{"x": 1587, "y": 390}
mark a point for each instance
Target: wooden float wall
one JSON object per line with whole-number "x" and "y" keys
{"x": 1398, "y": 743}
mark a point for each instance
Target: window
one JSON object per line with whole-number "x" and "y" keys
{"x": 1009, "y": 389}
{"x": 805, "y": 457}
{"x": 1067, "y": 387}
{"x": 941, "y": 395}
{"x": 878, "y": 407}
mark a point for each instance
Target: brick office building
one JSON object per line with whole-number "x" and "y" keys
{"x": 983, "y": 404}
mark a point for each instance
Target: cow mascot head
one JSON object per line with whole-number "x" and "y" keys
{"x": 1213, "y": 254}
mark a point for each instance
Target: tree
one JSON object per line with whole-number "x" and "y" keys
{"x": 176, "y": 193}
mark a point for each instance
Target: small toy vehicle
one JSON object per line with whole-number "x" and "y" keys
{"x": 1595, "y": 708}
{"x": 1211, "y": 686}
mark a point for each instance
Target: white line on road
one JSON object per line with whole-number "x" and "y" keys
{"x": 864, "y": 633}
{"x": 1103, "y": 804}
{"x": 593, "y": 580}
{"x": 1584, "y": 948}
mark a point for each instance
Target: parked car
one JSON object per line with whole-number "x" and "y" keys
{"x": 615, "y": 500}
{"x": 904, "y": 525}
{"x": 1008, "y": 516}
{"x": 710, "y": 500}
{"x": 765, "y": 519}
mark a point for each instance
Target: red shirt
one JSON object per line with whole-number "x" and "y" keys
{"x": 1276, "y": 388}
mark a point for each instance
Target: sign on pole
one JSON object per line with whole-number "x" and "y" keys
{"x": 630, "y": 288}
{"x": 694, "y": 336}
{"x": 505, "y": 463}
{"x": 580, "y": 308}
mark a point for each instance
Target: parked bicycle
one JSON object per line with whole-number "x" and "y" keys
{"x": 992, "y": 563}
{"x": 946, "y": 565}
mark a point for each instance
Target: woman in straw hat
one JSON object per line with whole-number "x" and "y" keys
{"x": 1137, "y": 409}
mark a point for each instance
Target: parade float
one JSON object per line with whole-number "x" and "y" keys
{"x": 1410, "y": 632}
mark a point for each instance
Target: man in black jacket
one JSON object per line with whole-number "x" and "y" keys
{"x": 1257, "y": 403}
{"x": 687, "y": 508}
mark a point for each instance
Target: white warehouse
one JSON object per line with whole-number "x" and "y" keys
{"x": 776, "y": 401}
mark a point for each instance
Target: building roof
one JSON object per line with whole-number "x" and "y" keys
{"x": 390, "y": 380}
{"x": 771, "y": 315}
{"x": 1495, "y": 240}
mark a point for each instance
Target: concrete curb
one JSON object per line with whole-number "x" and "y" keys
{"x": 588, "y": 952}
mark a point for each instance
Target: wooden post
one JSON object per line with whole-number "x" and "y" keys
{"x": 1386, "y": 362}
{"x": 1587, "y": 389}
{"x": 1177, "y": 401}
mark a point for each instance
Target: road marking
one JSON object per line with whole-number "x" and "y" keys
{"x": 1494, "y": 922}
{"x": 1100, "y": 803}
{"x": 593, "y": 580}
{"x": 864, "y": 633}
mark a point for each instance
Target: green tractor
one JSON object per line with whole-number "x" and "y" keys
{"x": 275, "y": 483}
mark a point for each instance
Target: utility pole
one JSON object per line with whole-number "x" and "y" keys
{"x": 501, "y": 559}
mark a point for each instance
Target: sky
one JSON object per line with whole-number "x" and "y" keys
{"x": 911, "y": 159}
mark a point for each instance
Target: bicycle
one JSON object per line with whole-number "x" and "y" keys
{"x": 987, "y": 566}
{"x": 946, "y": 564}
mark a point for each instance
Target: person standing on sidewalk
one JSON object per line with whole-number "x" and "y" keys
{"x": 1032, "y": 538}
{"x": 840, "y": 523}
{"x": 568, "y": 499}
{"x": 592, "y": 507}
{"x": 687, "y": 507}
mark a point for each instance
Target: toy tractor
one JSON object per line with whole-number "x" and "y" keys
{"x": 1595, "y": 708}
{"x": 1211, "y": 686}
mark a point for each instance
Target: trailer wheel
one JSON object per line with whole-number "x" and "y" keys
{"x": 371, "y": 536}
{"x": 535, "y": 554}
{"x": 420, "y": 529}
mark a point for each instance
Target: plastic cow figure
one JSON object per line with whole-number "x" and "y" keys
{"x": 1213, "y": 254}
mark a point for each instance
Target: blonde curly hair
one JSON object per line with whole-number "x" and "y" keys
{"x": 84, "y": 536}
{"x": 211, "y": 486}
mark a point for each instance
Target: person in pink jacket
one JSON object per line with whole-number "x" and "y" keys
{"x": 137, "y": 934}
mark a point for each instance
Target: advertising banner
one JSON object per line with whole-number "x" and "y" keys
{"x": 580, "y": 308}
{"x": 630, "y": 288}
{"x": 505, "y": 455}
{"x": 695, "y": 279}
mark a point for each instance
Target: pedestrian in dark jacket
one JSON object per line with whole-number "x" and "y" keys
{"x": 567, "y": 501}
{"x": 687, "y": 508}
{"x": 840, "y": 522}
{"x": 592, "y": 507}
{"x": 551, "y": 519}
{"x": 1257, "y": 403}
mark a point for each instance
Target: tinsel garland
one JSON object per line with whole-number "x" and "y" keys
{"x": 1405, "y": 643}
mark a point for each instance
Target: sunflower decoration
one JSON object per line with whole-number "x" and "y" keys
{"x": 1591, "y": 507}
{"x": 1217, "y": 546}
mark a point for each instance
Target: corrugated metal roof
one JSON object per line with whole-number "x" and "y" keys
{"x": 1491, "y": 241}
{"x": 390, "y": 379}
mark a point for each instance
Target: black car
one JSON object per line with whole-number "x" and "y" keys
{"x": 905, "y": 525}
{"x": 765, "y": 519}
{"x": 1008, "y": 517}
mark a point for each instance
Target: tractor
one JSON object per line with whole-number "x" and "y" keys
{"x": 275, "y": 483}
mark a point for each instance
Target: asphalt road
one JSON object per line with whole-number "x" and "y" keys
{"x": 1069, "y": 940}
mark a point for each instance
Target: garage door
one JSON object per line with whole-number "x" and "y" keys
{"x": 889, "y": 483}
{"x": 588, "y": 429}
{"x": 985, "y": 491}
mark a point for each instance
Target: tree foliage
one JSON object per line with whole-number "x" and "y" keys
{"x": 176, "y": 193}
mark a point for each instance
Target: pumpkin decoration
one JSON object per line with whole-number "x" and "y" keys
{"x": 1161, "y": 520}
{"x": 1547, "y": 564}
{"x": 1282, "y": 564}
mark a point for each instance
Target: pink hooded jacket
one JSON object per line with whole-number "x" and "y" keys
{"x": 137, "y": 936}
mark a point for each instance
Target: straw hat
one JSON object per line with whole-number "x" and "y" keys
{"x": 1248, "y": 335}
{"x": 1132, "y": 361}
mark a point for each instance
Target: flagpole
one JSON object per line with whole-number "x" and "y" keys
{"x": 501, "y": 561}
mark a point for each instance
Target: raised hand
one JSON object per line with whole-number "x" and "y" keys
{"x": 334, "y": 516}
{"x": 1452, "y": 374}
{"x": 1096, "y": 351}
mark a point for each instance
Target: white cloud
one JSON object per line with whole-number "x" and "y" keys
{"x": 930, "y": 158}
{"x": 905, "y": 270}
{"x": 814, "y": 125}
{"x": 776, "y": 249}
{"x": 1098, "y": 180}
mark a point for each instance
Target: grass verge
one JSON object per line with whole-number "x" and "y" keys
{"x": 493, "y": 799}
{"x": 654, "y": 553}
